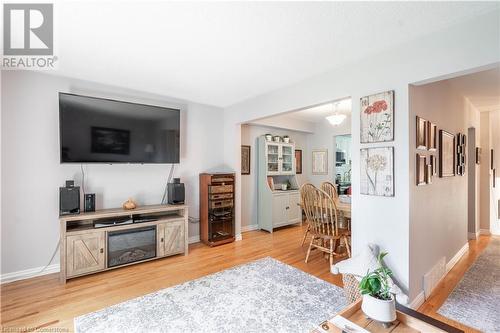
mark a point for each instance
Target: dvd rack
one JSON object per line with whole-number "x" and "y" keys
{"x": 217, "y": 208}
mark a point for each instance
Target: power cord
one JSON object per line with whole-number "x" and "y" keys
{"x": 171, "y": 173}
{"x": 83, "y": 180}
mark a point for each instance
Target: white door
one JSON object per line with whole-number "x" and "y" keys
{"x": 280, "y": 212}
{"x": 294, "y": 211}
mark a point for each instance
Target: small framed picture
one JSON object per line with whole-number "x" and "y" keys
{"x": 432, "y": 136}
{"x": 420, "y": 174}
{"x": 298, "y": 161}
{"x": 433, "y": 164}
{"x": 245, "y": 160}
{"x": 447, "y": 154}
{"x": 428, "y": 174}
{"x": 422, "y": 136}
{"x": 320, "y": 162}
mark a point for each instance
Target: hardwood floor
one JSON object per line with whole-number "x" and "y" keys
{"x": 44, "y": 302}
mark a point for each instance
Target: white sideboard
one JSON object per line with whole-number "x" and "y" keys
{"x": 277, "y": 207}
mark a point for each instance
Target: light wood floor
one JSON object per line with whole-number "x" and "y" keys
{"x": 43, "y": 302}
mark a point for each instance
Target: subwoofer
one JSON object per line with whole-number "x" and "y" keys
{"x": 69, "y": 200}
{"x": 176, "y": 192}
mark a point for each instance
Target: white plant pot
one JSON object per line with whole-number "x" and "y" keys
{"x": 379, "y": 310}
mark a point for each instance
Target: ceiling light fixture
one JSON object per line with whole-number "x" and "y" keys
{"x": 337, "y": 118}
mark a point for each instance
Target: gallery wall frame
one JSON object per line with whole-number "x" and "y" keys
{"x": 421, "y": 170}
{"x": 447, "y": 154}
{"x": 422, "y": 136}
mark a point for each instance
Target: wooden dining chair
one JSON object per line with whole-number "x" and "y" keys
{"x": 321, "y": 213}
{"x": 304, "y": 189}
{"x": 331, "y": 189}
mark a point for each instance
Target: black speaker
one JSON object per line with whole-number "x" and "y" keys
{"x": 176, "y": 192}
{"x": 69, "y": 200}
{"x": 89, "y": 202}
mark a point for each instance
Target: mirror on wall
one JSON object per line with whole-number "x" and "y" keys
{"x": 343, "y": 164}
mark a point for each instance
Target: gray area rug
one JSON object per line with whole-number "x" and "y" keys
{"x": 262, "y": 296}
{"x": 475, "y": 301}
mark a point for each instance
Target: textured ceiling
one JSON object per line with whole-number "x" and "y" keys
{"x": 220, "y": 53}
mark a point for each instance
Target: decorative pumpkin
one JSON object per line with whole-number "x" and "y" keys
{"x": 129, "y": 204}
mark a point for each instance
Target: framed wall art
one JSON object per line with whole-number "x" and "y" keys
{"x": 298, "y": 161}
{"x": 421, "y": 169}
{"x": 432, "y": 136}
{"x": 422, "y": 133}
{"x": 433, "y": 163}
{"x": 377, "y": 117}
{"x": 377, "y": 171}
{"x": 320, "y": 162}
{"x": 446, "y": 154}
{"x": 461, "y": 156}
{"x": 478, "y": 155}
{"x": 245, "y": 160}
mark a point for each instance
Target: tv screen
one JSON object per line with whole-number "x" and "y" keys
{"x": 96, "y": 130}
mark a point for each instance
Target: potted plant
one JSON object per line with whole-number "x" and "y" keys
{"x": 378, "y": 302}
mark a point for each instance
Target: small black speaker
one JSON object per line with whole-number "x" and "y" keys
{"x": 69, "y": 200}
{"x": 176, "y": 192}
{"x": 89, "y": 202}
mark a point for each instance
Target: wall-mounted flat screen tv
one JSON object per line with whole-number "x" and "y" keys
{"x": 96, "y": 130}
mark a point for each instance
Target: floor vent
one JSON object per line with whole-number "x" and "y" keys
{"x": 432, "y": 277}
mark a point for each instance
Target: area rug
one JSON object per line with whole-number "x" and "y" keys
{"x": 475, "y": 301}
{"x": 262, "y": 296}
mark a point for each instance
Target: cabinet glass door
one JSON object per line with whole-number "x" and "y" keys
{"x": 272, "y": 158}
{"x": 287, "y": 159}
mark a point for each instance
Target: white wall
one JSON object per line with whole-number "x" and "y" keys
{"x": 31, "y": 173}
{"x": 249, "y": 187}
{"x": 380, "y": 220}
{"x": 438, "y": 211}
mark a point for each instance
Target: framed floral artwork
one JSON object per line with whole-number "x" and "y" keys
{"x": 377, "y": 117}
{"x": 377, "y": 171}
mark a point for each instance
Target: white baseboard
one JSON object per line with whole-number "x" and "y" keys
{"x": 417, "y": 301}
{"x": 484, "y": 232}
{"x": 452, "y": 262}
{"x": 250, "y": 227}
{"x": 28, "y": 273}
{"x": 194, "y": 239}
{"x": 473, "y": 235}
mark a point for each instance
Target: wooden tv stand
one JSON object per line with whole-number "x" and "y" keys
{"x": 84, "y": 248}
